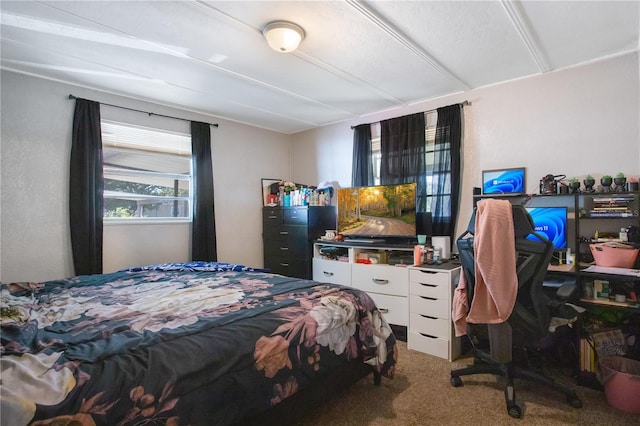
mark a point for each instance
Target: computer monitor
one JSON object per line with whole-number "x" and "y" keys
{"x": 550, "y": 222}
{"x": 503, "y": 181}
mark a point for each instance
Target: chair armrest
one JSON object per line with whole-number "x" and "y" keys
{"x": 566, "y": 291}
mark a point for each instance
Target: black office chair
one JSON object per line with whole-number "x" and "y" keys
{"x": 529, "y": 322}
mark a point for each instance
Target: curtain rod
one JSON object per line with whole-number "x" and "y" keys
{"x": 146, "y": 112}
{"x": 463, "y": 103}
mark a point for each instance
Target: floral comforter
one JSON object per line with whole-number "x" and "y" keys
{"x": 199, "y": 343}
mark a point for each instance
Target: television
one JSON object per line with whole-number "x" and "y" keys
{"x": 503, "y": 181}
{"x": 550, "y": 222}
{"x": 377, "y": 212}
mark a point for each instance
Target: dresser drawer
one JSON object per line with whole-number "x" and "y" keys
{"x": 437, "y": 308}
{"x": 430, "y": 277}
{"x": 283, "y": 232}
{"x": 434, "y": 291}
{"x": 288, "y": 267}
{"x": 431, "y": 345}
{"x": 274, "y": 216}
{"x": 382, "y": 279}
{"x": 393, "y": 308}
{"x": 332, "y": 271}
{"x": 295, "y": 216}
{"x": 271, "y": 216}
{"x": 435, "y": 327}
{"x": 292, "y": 238}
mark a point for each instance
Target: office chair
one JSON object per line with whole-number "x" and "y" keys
{"x": 529, "y": 321}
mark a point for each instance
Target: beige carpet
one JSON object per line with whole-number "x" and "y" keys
{"x": 421, "y": 394}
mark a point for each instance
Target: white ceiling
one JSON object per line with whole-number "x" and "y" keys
{"x": 357, "y": 57}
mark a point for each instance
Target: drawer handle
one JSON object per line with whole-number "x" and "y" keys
{"x": 429, "y": 272}
{"x": 286, "y": 265}
{"x": 273, "y": 217}
{"x": 384, "y": 310}
{"x": 427, "y": 316}
{"x": 428, "y": 298}
{"x": 429, "y": 336}
{"x": 380, "y": 281}
{"x": 428, "y": 285}
{"x": 327, "y": 274}
{"x": 284, "y": 233}
{"x": 284, "y": 248}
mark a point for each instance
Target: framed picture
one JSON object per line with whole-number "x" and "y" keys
{"x": 268, "y": 186}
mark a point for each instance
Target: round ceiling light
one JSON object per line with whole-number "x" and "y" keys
{"x": 283, "y": 36}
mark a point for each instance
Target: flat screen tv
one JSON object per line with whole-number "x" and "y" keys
{"x": 503, "y": 181}
{"x": 377, "y": 212}
{"x": 552, "y": 223}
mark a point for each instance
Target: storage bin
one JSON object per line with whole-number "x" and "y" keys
{"x": 614, "y": 255}
{"x": 621, "y": 379}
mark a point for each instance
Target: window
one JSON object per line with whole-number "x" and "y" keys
{"x": 147, "y": 174}
{"x": 431, "y": 156}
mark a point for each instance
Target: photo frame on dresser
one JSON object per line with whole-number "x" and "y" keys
{"x": 267, "y": 185}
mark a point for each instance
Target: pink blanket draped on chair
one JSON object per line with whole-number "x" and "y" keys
{"x": 496, "y": 285}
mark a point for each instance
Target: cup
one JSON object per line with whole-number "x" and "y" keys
{"x": 422, "y": 239}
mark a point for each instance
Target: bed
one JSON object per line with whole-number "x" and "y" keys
{"x": 190, "y": 343}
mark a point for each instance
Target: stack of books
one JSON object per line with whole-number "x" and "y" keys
{"x": 613, "y": 206}
{"x": 587, "y": 355}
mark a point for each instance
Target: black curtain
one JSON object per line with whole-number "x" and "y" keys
{"x": 362, "y": 166}
{"x": 402, "y": 150}
{"x": 86, "y": 188}
{"x": 446, "y": 171}
{"x": 203, "y": 234}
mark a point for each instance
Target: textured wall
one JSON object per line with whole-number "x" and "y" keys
{"x": 36, "y": 141}
{"x": 577, "y": 121}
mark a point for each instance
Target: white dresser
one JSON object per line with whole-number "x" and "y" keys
{"x": 430, "y": 295}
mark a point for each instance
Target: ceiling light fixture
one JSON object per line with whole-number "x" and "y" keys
{"x": 283, "y": 36}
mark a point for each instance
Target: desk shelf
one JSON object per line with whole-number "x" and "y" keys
{"x": 611, "y": 303}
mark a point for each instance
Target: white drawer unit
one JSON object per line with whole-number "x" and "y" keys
{"x": 430, "y": 297}
{"x": 331, "y": 271}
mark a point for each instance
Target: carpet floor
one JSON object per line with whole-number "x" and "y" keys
{"x": 421, "y": 394}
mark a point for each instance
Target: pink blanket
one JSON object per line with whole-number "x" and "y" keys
{"x": 496, "y": 285}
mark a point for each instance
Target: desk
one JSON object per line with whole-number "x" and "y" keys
{"x": 560, "y": 268}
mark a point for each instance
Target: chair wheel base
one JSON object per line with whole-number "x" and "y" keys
{"x": 456, "y": 382}
{"x": 574, "y": 401}
{"x": 515, "y": 411}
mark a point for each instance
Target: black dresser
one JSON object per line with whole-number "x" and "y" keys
{"x": 288, "y": 234}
